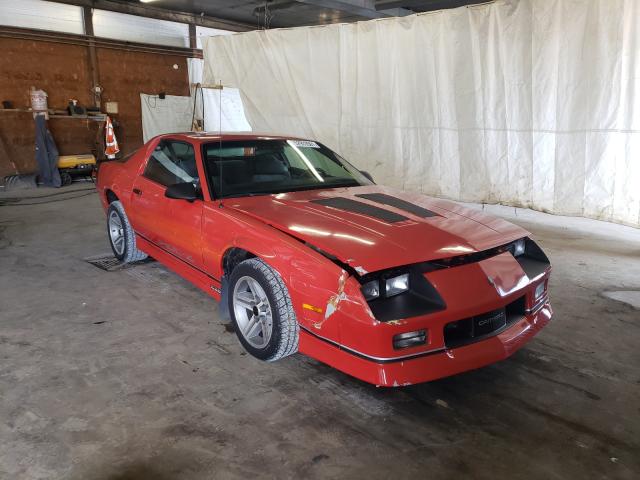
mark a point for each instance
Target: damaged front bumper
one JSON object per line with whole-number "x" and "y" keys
{"x": 433, "y": 364}
{"x": 493, "y": 307}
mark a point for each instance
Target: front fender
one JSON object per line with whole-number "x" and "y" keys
{"x": 317, "y": 286}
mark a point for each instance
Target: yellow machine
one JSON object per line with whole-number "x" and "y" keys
{"x": 75, "y": 165}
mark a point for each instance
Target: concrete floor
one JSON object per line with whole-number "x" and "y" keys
{"x": 130, "y": 375}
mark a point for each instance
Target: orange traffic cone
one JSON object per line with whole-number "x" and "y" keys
{"x": 111, "y": 144}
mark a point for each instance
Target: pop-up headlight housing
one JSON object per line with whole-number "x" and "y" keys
{"x": 392, "y": 286}
{"x": 400, "y": 293}
{"x": 530, "y": 257}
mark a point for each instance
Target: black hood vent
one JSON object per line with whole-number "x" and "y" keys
{"x": 349, "y": 205}
{"x": 398, "y": 203}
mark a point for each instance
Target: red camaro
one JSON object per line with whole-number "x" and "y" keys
{"x": 307, "y": 254}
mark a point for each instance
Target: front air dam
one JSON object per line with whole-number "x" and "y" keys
{"x": 430, "y": 366}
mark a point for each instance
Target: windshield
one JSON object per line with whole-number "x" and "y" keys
{"x": 259, "y": 167}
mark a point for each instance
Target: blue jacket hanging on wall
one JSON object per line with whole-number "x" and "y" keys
{"x": 46, "y": 154}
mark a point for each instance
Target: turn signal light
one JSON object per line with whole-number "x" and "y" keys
{"x": 409, "y": 339}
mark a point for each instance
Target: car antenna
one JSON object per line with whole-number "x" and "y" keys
{"x": 219, "y": 88}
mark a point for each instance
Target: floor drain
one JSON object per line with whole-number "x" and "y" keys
{"x": 110, "y": 263}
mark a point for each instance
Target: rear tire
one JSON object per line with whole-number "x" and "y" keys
{"x": 262, "y": 312}
{"x": 121, "y": 235}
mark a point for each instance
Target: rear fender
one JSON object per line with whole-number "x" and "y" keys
{"x": 118, "y": 176}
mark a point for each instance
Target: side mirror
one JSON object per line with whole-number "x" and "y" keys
{"x": 367, "y": 174}
{"x": 182, "y": 191}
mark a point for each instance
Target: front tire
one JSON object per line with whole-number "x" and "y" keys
{"x": 262, "y": 312}
{"x": 121, "y": 235}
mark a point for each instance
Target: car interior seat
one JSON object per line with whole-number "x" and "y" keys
{"x": 270, "y": 168}
{"x": 234, "y": 172}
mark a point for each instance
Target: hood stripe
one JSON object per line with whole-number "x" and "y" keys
{"x": 398, "y": 203}
{"x": 349, "y": 205}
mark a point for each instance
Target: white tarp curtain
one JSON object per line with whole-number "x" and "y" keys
{"x": 533, "y": 103}
{"x": 176, "y": 114}
{"x": 169, "y": 115}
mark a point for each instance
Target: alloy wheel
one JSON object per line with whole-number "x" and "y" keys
{"x": 252, "y": 312}
{"x": 116, "y": 232}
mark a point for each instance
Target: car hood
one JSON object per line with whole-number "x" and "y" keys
{"x": 393, "y": 228}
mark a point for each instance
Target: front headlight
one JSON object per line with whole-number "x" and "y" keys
{"x": 402, "y": 292}
{"x": 394, "y": 286}
{"x": 371, "y": 289}
{"x": 518, "y": 247}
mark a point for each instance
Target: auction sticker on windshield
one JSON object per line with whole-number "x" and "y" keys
{"x": 303, "y": 143}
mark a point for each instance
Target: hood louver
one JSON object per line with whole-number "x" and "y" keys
{"x": 398, "y": 203}
{"x": 349, "y": 205}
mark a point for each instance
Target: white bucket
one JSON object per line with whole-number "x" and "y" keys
{"x": 38, "y": 101}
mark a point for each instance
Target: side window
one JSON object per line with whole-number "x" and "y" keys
{"x": 172, "y": 162}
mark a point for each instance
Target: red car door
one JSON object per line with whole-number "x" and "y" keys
{"x": 171, "y": 224}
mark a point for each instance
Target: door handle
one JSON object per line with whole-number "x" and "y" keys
{"x": 137, "y": 191}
